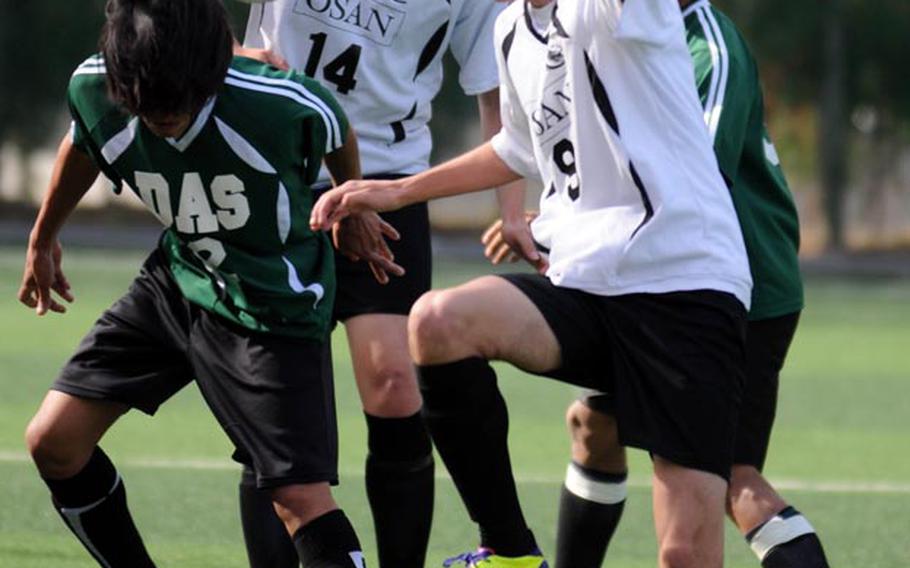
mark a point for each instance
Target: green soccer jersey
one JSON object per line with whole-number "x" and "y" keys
{"x": 233, "y": 191}
{"x": 728, "y": 84}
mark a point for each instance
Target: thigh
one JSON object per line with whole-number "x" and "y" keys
{"x": 571, "y": 319}
{"x": 359, "y": 293}
{"x": 386, "y": 379}
{"x": 488, "y": 317}
{"x": 767, "y": 343}
{"x": 274, "y": 398}
{"x": 688, "y": 515}
{"x": 135, "y": 354}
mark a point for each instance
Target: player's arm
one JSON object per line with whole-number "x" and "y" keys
{"x": 74, "y": 173}
{"x": 728, "y": 106}
{"x": 512, "y": 234}
{"x": 361, "y": 236}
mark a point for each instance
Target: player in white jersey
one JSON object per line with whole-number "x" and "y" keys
{"x": 382, "y": 60}
{"x": 647, "y": 288}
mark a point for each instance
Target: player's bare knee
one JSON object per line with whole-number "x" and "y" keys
{"x": 433, "y": 327}
{"x": 391, "y": 392}
{"x": 299, "y": 504}
{"x": 679, "y": 555}
{"x": 53, "y": 457}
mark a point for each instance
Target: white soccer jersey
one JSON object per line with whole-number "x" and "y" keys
{"x": 640, "y": 206}
{"x": 382, "y": 59}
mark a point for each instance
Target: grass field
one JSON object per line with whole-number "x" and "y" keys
{"x": 840, "y": 447}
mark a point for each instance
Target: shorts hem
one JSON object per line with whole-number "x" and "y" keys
{"x": 301, "y": 479}
{"x": 90, "y": 394}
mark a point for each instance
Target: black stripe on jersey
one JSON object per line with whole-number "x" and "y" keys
{"x": 431, "y": 48}
{"x": 557, "y": 25}
{"x": 398, "y": 126}
{"x": 507, "y": 42}
{"x": 645, "y": 200}
{"x": 530, "y": 24}
{"x": 601, "y": 99}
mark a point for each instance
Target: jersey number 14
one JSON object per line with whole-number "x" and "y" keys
{"x": 340, "y": 70}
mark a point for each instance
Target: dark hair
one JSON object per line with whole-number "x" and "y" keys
{"x": 165, "y": 56}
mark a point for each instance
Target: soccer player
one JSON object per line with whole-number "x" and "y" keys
{"x": 383, "y": 62}
{"x": 593, "y": 495}
{"x": 238, "y": 293}
{"x": 646, "y": 290}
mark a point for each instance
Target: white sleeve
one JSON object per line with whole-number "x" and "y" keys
{"x": 473, "y": 47}
{"x": 513, "y": 142}
{"x": 653, "y": 22}
{"x": 256, "y": 24}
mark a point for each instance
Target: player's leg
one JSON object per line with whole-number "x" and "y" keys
{"x": 453, "y": 335}
{"x": 688, "y": 516}
{"x": 274, "y": 398}
{"x": 399, "y": 464}
{"x": 85, "y": 487}
{"x": 780, "y": 536}
{"x": 130, "y": 358}
{"x": 594, "y": 493}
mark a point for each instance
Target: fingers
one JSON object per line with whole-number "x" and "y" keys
{"x": 27, "y": 295}
{"x": 46, "y": 301}
{"x": 387, "y": 265}
{"x": 378, "y": 273}
{"x": 491, "y": 232}
{"x": 494, "y": 244}
{"x": 327, "y": 211}
{"x": 388, "y": 231}
{"x": 503, "y": 252}
{"x": 62, "y": 287}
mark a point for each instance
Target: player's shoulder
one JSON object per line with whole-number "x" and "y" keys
{"x": 716, "y": 29}
{"x": 507, "y": 20}
{"x": 88, "y": 78}
{"x": 287, "y": 90}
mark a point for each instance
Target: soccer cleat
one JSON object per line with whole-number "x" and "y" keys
{"x": 485, "y": 558}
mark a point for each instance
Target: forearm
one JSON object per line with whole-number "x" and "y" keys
{"x": 344, "y": 163}
{"x": 511, "y": 196}
{"x": 477, "y": 170}
{"x": 73, "y": 175}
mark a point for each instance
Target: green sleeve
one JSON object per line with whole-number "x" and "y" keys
{"x": 328, "y": 124}
{"x": 727, "y": 81}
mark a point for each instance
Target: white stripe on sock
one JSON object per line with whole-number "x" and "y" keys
{"x": 73, "y": 518}
{"x": 602, "y": 492}
{"x": 778, "y": 531}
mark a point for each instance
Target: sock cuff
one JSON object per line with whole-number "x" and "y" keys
{"x": 97, "y": 480}
{"x": 328, "y": 536}
{"x": 779, "y": 529}
{"x": 398, "y": 439}
{"x": 605, "y": 492}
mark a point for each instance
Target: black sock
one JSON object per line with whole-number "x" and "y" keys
{"x": 399, "y": 480}
{"x": 590, "y": 507}
{"x": 469, "y": 422}
{"x": 329, "y": 542}
{"x": 787, "y": 540}
{"x": 268, "y": 544}
{"x": 92, "y": 503}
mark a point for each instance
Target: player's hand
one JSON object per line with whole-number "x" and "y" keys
{"x": 264, "y": 55}
{"x": 356, "y": 196}
{"x": 43, "y": 273}
{"x": 511, "y": 240}
{"x": 363, "y": 237}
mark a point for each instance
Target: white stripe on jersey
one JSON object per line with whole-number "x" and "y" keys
{"x": 90, "y": 70}
{"x": 120, "y": 142}
{"x": 720, "y": 63}
{"x": 244, "y": 150}
{"x": 193, "y": 131}
{"x": 289, "y": 89}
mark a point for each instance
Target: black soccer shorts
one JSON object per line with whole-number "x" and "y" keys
{"x": 767, "y": 343}
{"x": 272, "y": 395}
{"x": 358, "y": 292}
{"x": 673, "y": 363}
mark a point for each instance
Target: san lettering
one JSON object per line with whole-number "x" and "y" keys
{"x": 551, "y": 112}
{"x": 369, "y": 17}
{"x": 196, "y": 213}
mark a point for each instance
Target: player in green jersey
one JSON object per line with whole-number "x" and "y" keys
{"x": 593, "y": 496}
{"x": 238, "y": 294}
